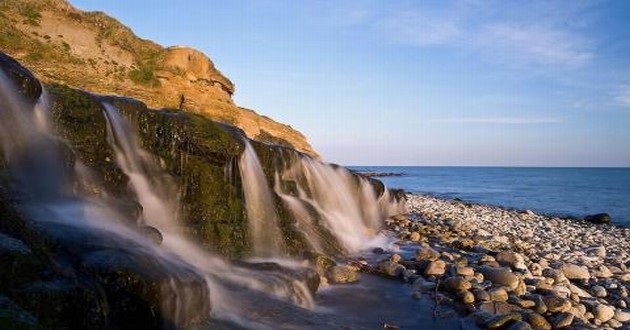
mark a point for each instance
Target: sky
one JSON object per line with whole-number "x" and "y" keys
{"x": 391, "y": 82}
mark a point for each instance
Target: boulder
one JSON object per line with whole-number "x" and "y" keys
{"x": 152, "y": 234}
{"x": 575, "y": 272}
{"x": 342, "y": 274}
{"x": 500, "y": 276}
{"x": 390, "y": 269}
{"x": 455, "y": 284}
{"x": 426, "y": 253}
{"x": 435, "y": 268}
{"x": 603, "y": 312}
{"x": 599, "y": 218}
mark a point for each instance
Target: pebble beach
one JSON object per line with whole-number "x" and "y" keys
{"x": 509, "y": 269}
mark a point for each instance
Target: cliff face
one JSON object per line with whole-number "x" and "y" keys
{"x": 94, "y": 52}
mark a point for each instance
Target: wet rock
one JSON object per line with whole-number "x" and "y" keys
{"x": 319, "y": 261}
{"x": 342, "y": 274}
{"x": 500, "y": 276}
{"x": 539, "y": 306}
{"x": 455, "y": 284}
{"x": 414, "y": 236}
{"x": 600, "y": 218}
{"x": 520, "y": 325}
{"x": 498, "y": 295}
{"x": 538, "y": 321}
{"x": 464, "y": 271}
{"x": 18, "y": 264}
{"x": 426, "y": 253}
{"x": 152, "y": 234}
{"x": 575, "y": 272}
{"x": 563, "y": 320}
{"x": 395, "y": 258}
{"x": 501, "y": 320}
{"x": 435, "y": 268}
{"x": 557, "y": 304}
{"x": 466, "y": 297}
{"x": 146, "y": 289}
{"x": 390, "y": 269}
{"x": 13, "y": 316}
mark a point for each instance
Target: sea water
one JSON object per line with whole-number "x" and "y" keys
{"x": 575, "y": 192}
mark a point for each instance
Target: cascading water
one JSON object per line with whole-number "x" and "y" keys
{"x": 345, "y": 204}
{"x": 160, "y": 211}
{"x": 264, "y": 232}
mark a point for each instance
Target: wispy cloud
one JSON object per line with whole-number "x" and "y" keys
{"x": 533, "y": 44}
{"x": 535, "y": 33}
{"x": 621, "y": 96}
{"x": 499, "y": 120}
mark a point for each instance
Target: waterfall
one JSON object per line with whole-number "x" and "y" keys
{"x": 264, "y": 232}
{"x": 160, "y": 211}
{"x": 347, "y": 205}
{"x": 334, "y": 210}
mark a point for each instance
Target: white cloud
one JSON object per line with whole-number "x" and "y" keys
{"x": 622, "y": 96}
{"x": 533, "y": 44}
{"x": 499, "y": 120}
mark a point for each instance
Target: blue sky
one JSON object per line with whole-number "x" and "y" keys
{"x": 419, "y": 82}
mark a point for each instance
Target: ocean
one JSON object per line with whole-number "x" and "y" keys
{"x": 575, "y": 192}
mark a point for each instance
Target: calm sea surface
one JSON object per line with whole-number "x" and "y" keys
{"x": 559, "y": 191}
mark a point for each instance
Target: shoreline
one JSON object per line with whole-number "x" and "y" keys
{"x": 503, "y": 267}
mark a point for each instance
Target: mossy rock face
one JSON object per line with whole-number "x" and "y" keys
{"x": 28, "y": 86}
{"x": 201, "y": 156}
{"x": 145, "y": 293}
{"x": 78, "y": 119}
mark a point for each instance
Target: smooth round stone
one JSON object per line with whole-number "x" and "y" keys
{"x": 575, "y": 272}
{"x": 622, "y": 316}
{"x": 557, "y": 304}
{"x": 465, "y": 271}
{"x": 414, "y": 236}
{"x": 435, "y": 268}
{"x": 503, "y": 319}
{"x": 390, "y": 268}
{"x": 395, "y": 258}
{"x": 481, "y": 295}
{"x": 614, "y": 324}
{"x": 603, "y": 313}
{"x": 342, "y": 274}
{"x": 563, "y": 320}
{"x": 538, "y": 321}
{"x": 426, "y": 253}
{"x": 599, "y": 291}
{"x": 509, "y": 258}
{"x": 455, "y": 284}
{"x": 520, "y": 325}
{"x": 500, "y": 276}
{"x": 466, "y": 297}
{"x": 498, "y": 294}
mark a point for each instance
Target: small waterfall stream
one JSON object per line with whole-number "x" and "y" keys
{"x": 265, "y": 235}
{"x": 334, "y": 209}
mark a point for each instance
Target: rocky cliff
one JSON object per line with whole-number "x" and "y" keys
{"x": 94, "y": 52}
